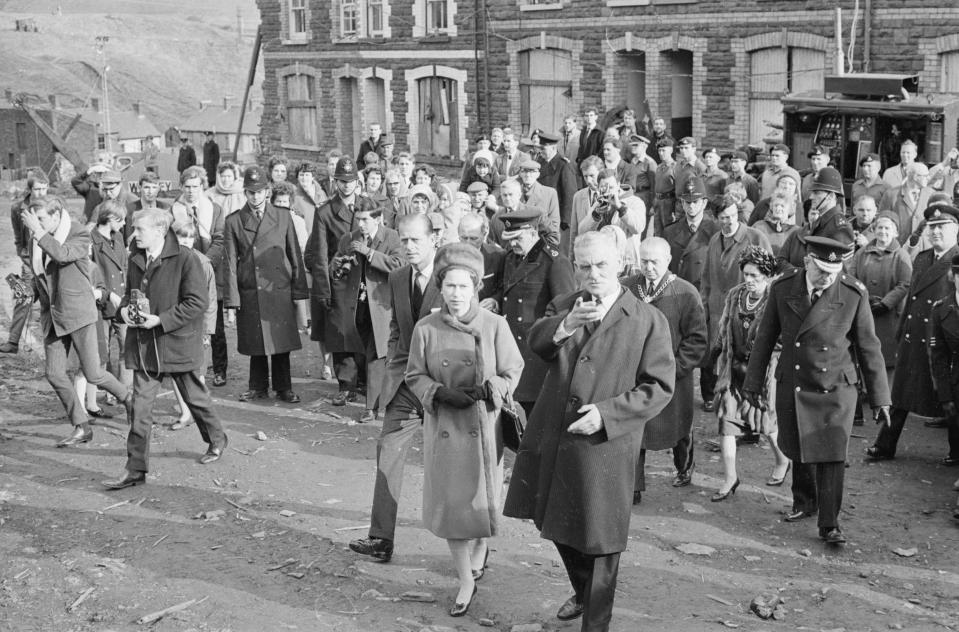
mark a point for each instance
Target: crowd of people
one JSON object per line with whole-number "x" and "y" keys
{"x": 570, "y": 282}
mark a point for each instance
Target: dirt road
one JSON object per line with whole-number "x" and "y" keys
{"x": 259, "y": 540}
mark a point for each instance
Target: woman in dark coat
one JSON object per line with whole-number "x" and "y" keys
{"x": 265, "y": 275}
{"x": 463, "y": 364}
{"x": 742, "y": 314}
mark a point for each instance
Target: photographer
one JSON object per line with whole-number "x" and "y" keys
{"x": 615, "y": 206}
{"x": 164, "y": 310}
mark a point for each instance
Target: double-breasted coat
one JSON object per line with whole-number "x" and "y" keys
{"x": 944, "y": 348}
{"x": 722, "y": 271}
{"x": 680, "y": 303}
{"x": 886, "y": 273}
{"x": 528, "y": 285}
{"x": 373, "y": 275}
{"x": 912, "y": 387}
{"x": 578, "y": 489}
{"x": 689, "y": 250}
{"x": 560, "y": 175}
{"x": 264, "y": 276}
{"x": 110, "y": 255}
{"x": 462, "y": 476}
{"x": 816, "y": 378}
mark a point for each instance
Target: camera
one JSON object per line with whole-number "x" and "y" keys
{"x": 138, "y": 308}
{"x": 342, "y": 266}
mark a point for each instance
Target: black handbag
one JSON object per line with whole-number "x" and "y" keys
{"x": 512, "y": 419}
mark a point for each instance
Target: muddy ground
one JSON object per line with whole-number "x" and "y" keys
{"x": 259, "y": 539}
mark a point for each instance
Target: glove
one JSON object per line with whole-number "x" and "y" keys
{"x": 453, "y": 397}
{"x": 755, "y": 399}
{"x": 563, "y": 225}
{"x": 478, "y": 393}
{"x": 878, "y": 307}
{"x": 949, "y": 408}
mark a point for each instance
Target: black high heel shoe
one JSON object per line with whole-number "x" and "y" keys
{"x": 459, "y": 609}
{"x": 479, "y": 572}
{"x": 718, "y": 496}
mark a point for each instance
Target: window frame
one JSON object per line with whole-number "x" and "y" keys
{"x": 309, "y": 103}
{"x": 299, "y": 8}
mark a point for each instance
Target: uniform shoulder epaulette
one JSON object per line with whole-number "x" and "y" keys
{"x": 565, "y": 158}
{"x": 785, "y": 276}
{"x": 853, "y": 282}
{"x": 937, "y": 303}
{"x": 552, "y": 252}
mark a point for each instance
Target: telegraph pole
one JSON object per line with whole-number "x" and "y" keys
{"x": 101, "y": 43}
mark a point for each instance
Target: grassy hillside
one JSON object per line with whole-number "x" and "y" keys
{"x": 168, "y": 54}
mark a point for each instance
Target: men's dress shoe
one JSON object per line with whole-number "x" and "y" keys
{"x": 683, "y": 479}
{"x": 637, "y": 497}
{"x": 8, "y": 347}
{"x": 99, "y": 413}
{"x": 128, "y": 480}
{"x": 214, "y": 453}
{"x": 288, "y": 396}
{"x": 796, "y": 516}
{"x": 78, "y": 436}
{"x": 571, "y": 609}
{"x": 378, "y": 548}
{"x": 949, "y": 461}
{"x": 721, "y": 496}
{"x": 708, "y": 406}
{"x": 250, "y": 395}
{"x": 776, "y": 481}
{"x": 873, "y": 453}
{"x": 219, "y": 379}
{"x": 479, "y": 572}
{"x": 751, "y": 438}
{"x": 460, "y": 609}
{"x": 369, "y": 416}
{"x": 938, "y": 422}
{"x": 180, "y": 424}
{"x": 832, "y": 535}
{"x": 341, "y": 398}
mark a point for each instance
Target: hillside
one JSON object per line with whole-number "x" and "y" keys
{"x": 167, "y": 54}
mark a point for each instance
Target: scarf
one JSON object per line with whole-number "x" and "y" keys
{"x": 60, "y": 234}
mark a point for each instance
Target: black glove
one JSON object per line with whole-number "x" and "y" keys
{"x": 563, "y": 225}
{"x": 877, "y": 306}
{"x": 479, "y": 393}
{"x": 453, "y": 397}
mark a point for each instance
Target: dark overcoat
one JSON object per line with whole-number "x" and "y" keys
{"x": 683, "y": 308}
{"x": 912, "y": 387}
{"x": 944, "y": 348}
{"x": 110, "y": 255}
{"x": 528, "y": 285}
{"x": 885, "y": 272}
{"x": 578, "y": 489}
{"x": 816, "y": 378}
{"x": 689, "y": 250}
{"x": 177, "y": 289}
{"x": 385, "y": 257}
{"x": 264, "y": 277}
{"x": 401, "y": 325}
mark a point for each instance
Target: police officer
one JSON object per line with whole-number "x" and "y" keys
{"x": 558, "y": 173}
{"x": 664, "y": 187}
{"x": 533, "y": 274}
{"x": 912, "y": 384}
{"x": 944, "y": 358}
{"x": 825, "y": 195}
{"x": 825, "y": 324}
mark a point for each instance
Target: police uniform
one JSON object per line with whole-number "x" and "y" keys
{"x": 528, "y": 284}
{"x": 664, "y": 189}
{"x": 912, "y": 387}
{"x": 944, "y": 360}
{"x": 823, "y": 333}
{"x": 558, "y": 174}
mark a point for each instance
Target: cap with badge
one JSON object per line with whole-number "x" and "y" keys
{"x": 711, "y": 150}
{"x": 546, "y": 138}
{"x": 941, "y": 213}
{"x": 345, "y": 170}
{"x": 665, "y": 141}
{"x": 694, "y": 189}
{"x": 829, "y": 180}
{"x": 387, "y": 139}
{"x": 780, "y": 147}
{"x": 529, "y": 165}
{"x": 513, "y": 223}
{"x": 477, "y": 186}
{"x": 638, "y": 138}
{"x": 687, "y": 141}
{"x": 254, "y": 179}
{"x": 828, "y": 253}
{"x": 868, "y": 158}
{"x": 739, "y": 155}
{"x": 817, "y": 150}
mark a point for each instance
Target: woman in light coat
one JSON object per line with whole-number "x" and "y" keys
{"x": 463, "y": 364}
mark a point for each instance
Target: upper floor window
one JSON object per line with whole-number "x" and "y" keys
{"x": 298, "y": 21}
{"x": 434, "y": 17}
{"x": 374, "y": 17}
{"x": 361, "y": 18}
{"x": 349, "y": 19}
{"x": 295, "y": 21}
{"x": 437, "y": 16}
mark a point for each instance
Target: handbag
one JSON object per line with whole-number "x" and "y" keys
{"x": 512, "y": 419}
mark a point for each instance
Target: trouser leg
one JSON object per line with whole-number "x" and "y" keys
{"x": 87, "y": 347}
{"x": 952, "y": 426}
{"x": 576, "y": 569}
{"x": 888, "y": 438}
{"x": 259, "y": 373}
{"x": 707, "y": 382}
{"x": 403, "y": 417}
{"x": 804, "y": 493}
{"x": 600, "y": 593}
{"x": 280, "y": 367}
{"x": 198, "y": 401}
{"x": 683, "y": 454}
{"x": 829, "y": 483}
{"x": 55, "y": 367}
{"x": 218, "y": 343}
{"x": 639, "y": 483}
{"x": 145, "y": 388}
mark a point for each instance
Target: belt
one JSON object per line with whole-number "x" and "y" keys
{"x": 665, "y": 196}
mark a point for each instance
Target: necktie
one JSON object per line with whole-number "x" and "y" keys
{"x": 416, "y": 300}
{"x": 150, "y": 261}
{"x": 814, "y": 297}
{"x": 196, "y": 224}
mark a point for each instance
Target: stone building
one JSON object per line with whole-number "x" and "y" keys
{"x": 436, "y": 72}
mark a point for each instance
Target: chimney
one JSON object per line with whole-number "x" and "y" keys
{"x": 136, "y": 109}
{"x": 53, "y": 102}
{"x": 226, "y": 104}
{"x": 203, "y": 104}
{"x": 95, "y": 104}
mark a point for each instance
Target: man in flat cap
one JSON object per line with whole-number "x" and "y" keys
{"x": 558, "y": 174}
{"x": 533, "y": 273}
{"x": 825, "y": 325}
{"x": 912, "y": 385}
{"x": 535, "y": 194}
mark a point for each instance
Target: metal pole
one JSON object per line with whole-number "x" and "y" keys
{"x": 101, "y": 49}
{"x": 486, "y": 122}
{"x": 867, "y": 36}
{"x": 476, "y": 68}
{"x": 246, "y": 92}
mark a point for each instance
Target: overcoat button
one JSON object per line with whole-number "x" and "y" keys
{"x": 469, "y": 362}
{"x": 445, "y": 434}
{"x": 584, "y": 359}
{"x": 909, "y": 317}
{"x": 473, "y": 433}
{"x": 797, "y": 367}
{"x": 446, "y": 362}
{"x": 519, "y": 300}
{"x": 797, "y": 344}
{"x": 798, "y": 389}
{"x": 519, "y": 319}
{"x": 823, "y": 370}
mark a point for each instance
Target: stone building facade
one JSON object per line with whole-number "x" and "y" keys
{"x": 437, "y": 72}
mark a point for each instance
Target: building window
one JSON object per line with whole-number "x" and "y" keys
{"x": 434, "y": 17}
{"x": 950, "y": 71}
{"x": 301, "y": 109}
{"x": 101, "y": 141}
{"x": 298, "y": 22}
{"x": 349, "y": 19}
{"x": 545, "y": 88}
{"x": 777, "y": 71}
{"x": 437, "y": 16}
{"x": 374, "y": 17}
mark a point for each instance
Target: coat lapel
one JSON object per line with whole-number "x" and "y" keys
{"x": 936, "y": 271}
{"x": 823, "y": 310}
{"x": 798, "y": 299}
{"x": 250, "y": 224}
{"x": 524, "y": 269}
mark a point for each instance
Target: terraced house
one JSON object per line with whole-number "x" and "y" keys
{"x": 437, "y": 72}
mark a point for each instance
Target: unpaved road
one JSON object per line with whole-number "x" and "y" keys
{"x": 144, "y": 549}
